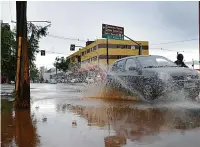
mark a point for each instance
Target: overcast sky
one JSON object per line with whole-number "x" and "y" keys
{"x": 156, "y": 22}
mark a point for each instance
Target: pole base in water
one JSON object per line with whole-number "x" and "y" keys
{"x": 22, "y": 104}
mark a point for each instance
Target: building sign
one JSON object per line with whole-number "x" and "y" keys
{"x": 112, "y": 32}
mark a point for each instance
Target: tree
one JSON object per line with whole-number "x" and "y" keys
{"x": 8, "y": 47}
{"x": 35, "y": 33}
{"x": 34, "y": 73}
{"x": 61, "y": 64}
{"x": 8, "y": 58}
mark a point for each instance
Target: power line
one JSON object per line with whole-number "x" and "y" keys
{"x": 167, "y": 49}
{"x": 66, "y": 38}
{"x": 176, "y": 41}
{"x": 164, "y": 49}
{"x": 55, "y": 52}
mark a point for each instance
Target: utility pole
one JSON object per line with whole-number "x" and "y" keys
{"x": 107, "y": 53}
{"x": 199, "y": 35}
{"x": 22, "y": 99}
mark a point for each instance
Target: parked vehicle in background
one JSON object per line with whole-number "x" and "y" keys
{"x": 89, "y": 80}
{"x": 153, "y": 76}
{"x": 76, "y": 80}
{"x": 53, "y": 81}
{"x": 73, "y": 81}
{"x": 12, "y": 82}
{"x": 99, "y": 78}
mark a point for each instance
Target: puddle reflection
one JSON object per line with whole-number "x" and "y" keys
{"x": 134, "y": 124}
{"x": 113, "y": 125}
{"x": 18, "y": 129}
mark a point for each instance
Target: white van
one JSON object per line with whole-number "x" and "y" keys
{"x": 53, "y": 81}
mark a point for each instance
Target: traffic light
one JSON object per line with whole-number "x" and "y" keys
{"x": 72, "y": 47}
{"x": 42, "y": 52}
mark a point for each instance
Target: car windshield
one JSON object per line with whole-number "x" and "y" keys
{"x": 155, "y": 61}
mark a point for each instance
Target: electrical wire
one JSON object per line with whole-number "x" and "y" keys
{"x": 163, "y": 49}
{"x": 66, "y": 38}
{"x": 176, "y": 41}
{"x": 56, "y": 53}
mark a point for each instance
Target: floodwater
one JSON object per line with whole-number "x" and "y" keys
{"x": 69, "y": 115}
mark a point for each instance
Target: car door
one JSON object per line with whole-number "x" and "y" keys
{"x": 131, "y": 74}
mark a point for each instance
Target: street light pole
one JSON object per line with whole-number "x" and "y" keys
{"x": 139, "y": 44}
{"x": 33, "y": 21}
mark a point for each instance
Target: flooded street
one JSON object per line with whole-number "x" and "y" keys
{"x": 62, "y": 115}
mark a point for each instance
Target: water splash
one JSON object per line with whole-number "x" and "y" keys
{"x": 104, "y": 91}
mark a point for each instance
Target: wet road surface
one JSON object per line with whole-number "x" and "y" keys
{"x": 62, "y": 115}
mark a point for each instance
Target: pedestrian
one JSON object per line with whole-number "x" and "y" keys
{"x": 179, "y": 61}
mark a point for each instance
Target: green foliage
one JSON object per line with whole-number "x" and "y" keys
{"x": 35, "y": 33}
{"x": 34, "y": 73}
{"x": 8, "y": 58}
{"x": 8, "y": 48}
{"x": 61, "y": 64}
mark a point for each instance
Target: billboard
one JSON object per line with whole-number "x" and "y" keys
{"x": 112, "y": 32}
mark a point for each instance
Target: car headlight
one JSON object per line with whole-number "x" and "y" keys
{"x": 164, "y": 76}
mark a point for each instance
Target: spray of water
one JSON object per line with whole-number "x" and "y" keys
{"x": 104, "y": 91}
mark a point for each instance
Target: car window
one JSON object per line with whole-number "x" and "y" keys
{"x": 120, "y": 65}
{"x": 155, "y": 61}
{"x": 130, "y": 63}
{"x": 161, "y": 61}
{"x": 114, "y": 67}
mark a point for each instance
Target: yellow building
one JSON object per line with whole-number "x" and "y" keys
{"x": 95, "y": 52}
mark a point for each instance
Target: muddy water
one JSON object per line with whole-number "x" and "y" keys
{"x": 60, "y": 116}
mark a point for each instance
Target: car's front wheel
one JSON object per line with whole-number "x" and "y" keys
{"x": 193, "y": 95}
{"x": 149, "y": 93}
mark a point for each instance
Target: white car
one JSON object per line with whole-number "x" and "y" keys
{"x": 73, "y": 81}
{"x": 89, "y": 80}
{"x": 53, "y": 81}
{"x": 12, "y": 82}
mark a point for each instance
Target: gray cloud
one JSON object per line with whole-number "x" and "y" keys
{"x": 182, "y": 17}
{"x": 155, "y": 22}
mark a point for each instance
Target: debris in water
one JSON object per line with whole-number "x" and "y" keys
{"x": 74, "y": 123}
{"x": 44, "y": 119}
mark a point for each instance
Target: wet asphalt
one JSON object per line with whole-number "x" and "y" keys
{"x": 77, "y": 115}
